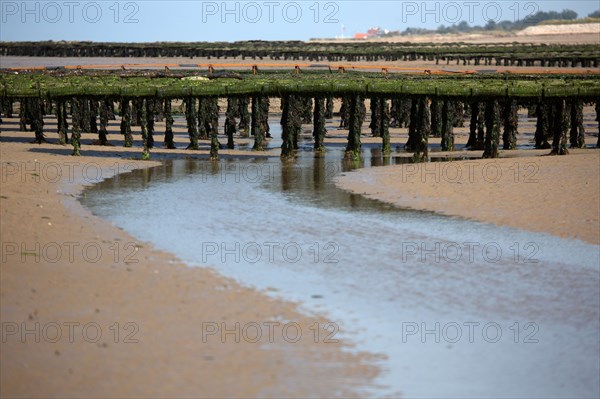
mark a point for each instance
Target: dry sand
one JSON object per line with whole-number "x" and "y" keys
{"x": 545, "y": 34}
{"x": 166, "y": 302}
{"x": 570, "y": 29}
{"x": 559, "y": 195}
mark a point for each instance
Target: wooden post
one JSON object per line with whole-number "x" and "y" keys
{"x": 150, "y": 114}
{"x": 577, "y": 129}
{"x": 76, "y": 123}
{"x": 230, "y": 126}
{"x": 447, "y": 126}
{"x": 375, "y": 124}
{"x": 61, "y": 117}
{"x": 492, "y": 128}
{"x": 102, "y": 132}
{"x": 191, "y": 117}
{"x": 125, "y": 123}
{"x": 422, "y": 129}
{"x": 598, "y": 120}
{"x": 257, "y": 129}
{"x": 436, "y": 117}
{"x": 511, "y": 123}
{"x": 412, "y": 126}
{"x": 287, "y": 146}
{"x": 143, "y": 119}
{"x": 542, "y": 125}
{"x": 560, "y": 127}
{"x": 385, "y": 127}
{"x": 37, "y": 120}
{"x": 319, "y": 124}
{"x": 168, "y": 140}
{"x": 354, "y": 145}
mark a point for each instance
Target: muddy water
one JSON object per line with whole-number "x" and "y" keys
{"x": 459, "y": 308}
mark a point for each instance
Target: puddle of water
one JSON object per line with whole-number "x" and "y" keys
{"x": 460, "y": 308}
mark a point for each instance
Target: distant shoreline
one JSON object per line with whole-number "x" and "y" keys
{"x": 550, "y": 34}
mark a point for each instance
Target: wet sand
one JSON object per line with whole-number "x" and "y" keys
{"x": 168, "y": 302}
{"x": 558, "y": 195}
{"x": 73, "y": 301}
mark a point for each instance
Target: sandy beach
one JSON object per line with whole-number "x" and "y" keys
{"x": 87, "y": 310}
{"x": 556, "y": 195}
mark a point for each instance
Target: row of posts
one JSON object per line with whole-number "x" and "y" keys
{"x": 559, "y": 121}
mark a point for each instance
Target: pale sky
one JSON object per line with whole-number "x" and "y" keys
{"x": 160, "y": 20}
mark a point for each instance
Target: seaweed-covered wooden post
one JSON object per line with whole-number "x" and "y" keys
{"x": 375, "y": 124}
{"x": 244, "y": 124}
{"x": 422, "y": 129}
{"x": 400, "y": 112}
{"x": 345, "y": 113}
{"x": 23, "y": 114}
{"x": 150, "y": 114}
{"x": 213, "y": 114}
{"x": 385, "y": 127}
{"x": 230, "y": 125}
{"x": 125, "y": 123}
{"x": 86, "y": 115}
{"x": 191, "y": 118}
{"x": 362, "y": 110}
{"x": 257, "y": 130}
{"x": 560, "y": 127}
{"x": 412, "y": 127}
{"x": 598, "y": 120}
{"x": 265, "y": 104}
{"x": 395, "y": 112}
{"x": 61, "y": 118}
{"x": 159, "y": 109}
{"x": 354, "y": 145}
{"x": 511, "y": 123}
{"x": 111, "y": 110}
{"x": 136, "y": 116}
{"x": 447, "y": 125}
{"x": 214, "y": 146}
{"x": 203, "y": 118}
{"x": 296, "y": 109}
{"x": 76, "y": 125}
{"x": 542, "y": 125}
{"x": 472, "y": 142}
{"x": 287, "y": 134}
{"x": 168, "y": 113}
{"x": 577, "y": 136}
{"x": 319, "y": 124}
{"x": 94, "y": 108}
{"x": 37, "y": 120}
{"x": 7, "y": 107}
{"x": 329, "y": 108}
{"x": 481, "y": 127}
{"x": 104, "y": 115}
{"x": 307, "y": 109}
{"x": 436, "y": 117}
{"x": 492, "y": 129}
{"x": 143, "y": 120}
{"x": 458, "y": 113}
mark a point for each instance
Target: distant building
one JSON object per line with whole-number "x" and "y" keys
{"x": 372, "y": 32}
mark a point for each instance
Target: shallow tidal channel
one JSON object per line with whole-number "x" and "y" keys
{"x": 459, "y": 308}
